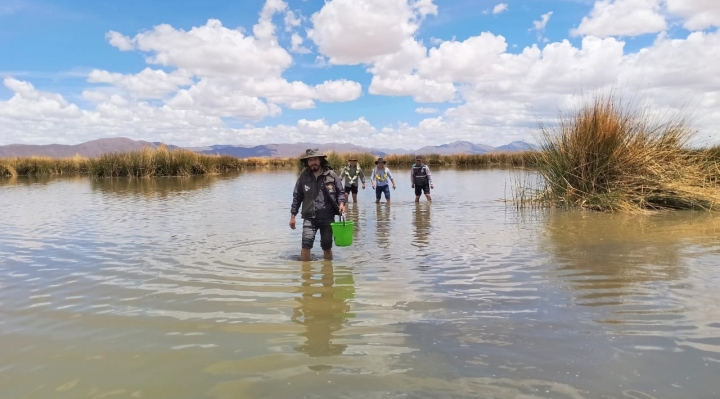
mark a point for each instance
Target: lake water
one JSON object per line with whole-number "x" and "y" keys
{"x": 192, "y": 288}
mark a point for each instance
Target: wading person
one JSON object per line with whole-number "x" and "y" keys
{"x": 421, "y": 179}
{"x": 319, "y": 192}
{"x": 380, "y": 179}
{"x": 350, "y": 175}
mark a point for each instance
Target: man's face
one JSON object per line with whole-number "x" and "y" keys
{"x": 418, "y": 162}
{"x": 314, "y": 163}
{"x": 353, "y": 163}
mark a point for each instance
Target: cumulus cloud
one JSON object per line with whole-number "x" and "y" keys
{"x": 359, "y": 31}
{"x": 147, "y": 84}
{"x": 199, "y": 77}
{"x": 622, "y": 18}
{"x": 222, "y": 71}
{"x": 338, "y": 91}
{"x": 122, "y": 43}
{"x": 697, "y": 14}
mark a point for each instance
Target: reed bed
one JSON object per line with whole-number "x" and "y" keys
{"x": 144, "y": 163}
{"x": 367, "y": 160}
{"x": 163, "y": 162}
{"x": 609, "y": 156}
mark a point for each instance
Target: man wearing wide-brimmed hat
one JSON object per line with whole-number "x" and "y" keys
{"x": 350, "y": 175}
{"x": 380, "y": 179}
{"x": 320, "y": 193}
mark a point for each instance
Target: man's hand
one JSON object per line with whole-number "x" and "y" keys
{"x": 413, "y": 186}
{"x": 432, "y": 187}
{"x": 373, "y": 186}
{"x": 364, "y": 186}
{"x": 393, "y": 186}
{"x": 292, "y": 222}
{"x": 342, "y": 208}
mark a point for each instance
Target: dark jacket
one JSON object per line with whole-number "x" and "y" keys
{"x": 319, "y": 197}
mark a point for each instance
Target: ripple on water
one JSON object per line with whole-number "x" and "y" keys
{"x": 142, "y": 285}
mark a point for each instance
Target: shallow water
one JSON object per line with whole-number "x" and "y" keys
{"x": 190, "y": 288}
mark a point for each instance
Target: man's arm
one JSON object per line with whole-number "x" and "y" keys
{"x": 429, "y": 175}
{"x": 372, "y": 178}
{"x": 340, "y": 190}
{"x": 298, "y": 197}
{"x": 392, "y": 180}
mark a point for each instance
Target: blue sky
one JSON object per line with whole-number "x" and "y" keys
{"x": 56, "y": 46}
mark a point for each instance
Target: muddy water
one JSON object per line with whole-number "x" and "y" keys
{"x": 191, "y": 288}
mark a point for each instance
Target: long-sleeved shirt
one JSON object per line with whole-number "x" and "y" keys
{"x": 381, "y": 176}
{"x": 427, "y": 171}
{"x": 322, "y": 207}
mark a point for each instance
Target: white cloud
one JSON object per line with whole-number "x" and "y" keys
{"x": 542, "y": 23}
{"x": 147, "y": 84}
{"x": 212, "y": 50}
{"x": 697, "y": 14}
{"x": 234, "y": 71}
{"x": 292, "y": 21}
{"x": 338, "y": 91}
{"x": 296, "y": 42}
{"x": 200, "y": 76}
{"x": 358, "y": 31}
{"x": 622, "y": 18}
{"x": 118, "y": 40}
{"x": 502, "y": 7}
{"x": 421, "y": 90}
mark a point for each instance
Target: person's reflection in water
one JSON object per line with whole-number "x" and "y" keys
{"x": 421, "y": 225}
{"x": 382, "y": 231}
{"x": 323, "y": 309}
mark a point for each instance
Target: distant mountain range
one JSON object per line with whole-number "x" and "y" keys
{"x": 95, "y": 148}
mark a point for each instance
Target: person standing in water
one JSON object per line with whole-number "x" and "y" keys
{"x": 320, "y": 193}
{"x": 421, "y": 179}
{"x": 350, "y": 175}
{"x": 379, "y": 180}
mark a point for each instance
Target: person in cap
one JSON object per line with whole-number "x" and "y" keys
{"x": 320, "y": 193}
{"x": 380, "y": 179}
{"x": 421, "y": 179}
{"x": 350, "y": 175}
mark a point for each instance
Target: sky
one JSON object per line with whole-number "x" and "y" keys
{"x": 379, "y": 73}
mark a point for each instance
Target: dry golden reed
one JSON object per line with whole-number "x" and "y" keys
{"x": 610, "y": 156}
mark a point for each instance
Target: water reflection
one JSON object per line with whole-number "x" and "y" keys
{"x": 421, "y": 226}
{"x": 383, "y": 230}
{"x": 605, "y": 257}
{"x": 161, "y": 187}
{"x": 323, "y": 308}
{"x": 31, "y": 180}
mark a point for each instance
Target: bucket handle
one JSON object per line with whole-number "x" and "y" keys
{"x": 342, "y": 218}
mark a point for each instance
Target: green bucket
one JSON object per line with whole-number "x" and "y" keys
{"x": 343, "y": 232}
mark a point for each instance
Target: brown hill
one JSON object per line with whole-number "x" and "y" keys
{"x": 88, "y": 149}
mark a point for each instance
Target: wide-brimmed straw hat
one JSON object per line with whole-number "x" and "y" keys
{"x": 312, "y": 153}
{"x": 379, "y": 160}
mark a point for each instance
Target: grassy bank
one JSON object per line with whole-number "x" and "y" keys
{"x": 367, "y": 160}
{"x": 610, "y": 157}
{"x": 143, "y": 163}
{"x": 163, "y": 162}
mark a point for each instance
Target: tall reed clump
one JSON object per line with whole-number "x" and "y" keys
{"x": 609, "y": 156}
{"x": 144, "y": 163}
